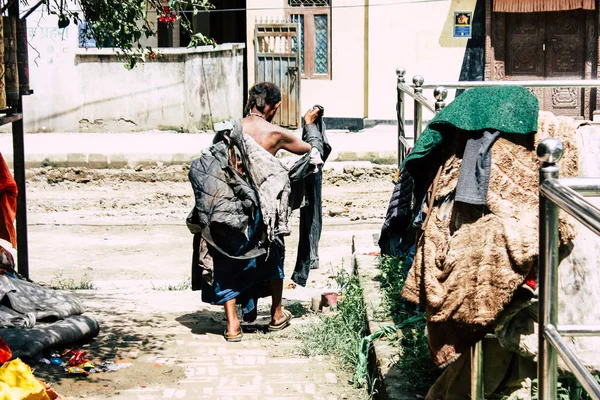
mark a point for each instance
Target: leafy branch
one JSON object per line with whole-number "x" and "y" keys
{"x": 123, "y": 24}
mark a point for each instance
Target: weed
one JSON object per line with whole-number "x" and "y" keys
{"x": 297, "y": 309}
{"x": 567, "y": 388}
{"x": 415, "y": 361}
{"x": 58, "y": 282}
{"x": 338, "y": 334}
{"x": 183, "y": 285}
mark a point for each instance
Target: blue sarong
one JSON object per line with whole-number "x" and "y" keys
{"x": 244, "y": 280}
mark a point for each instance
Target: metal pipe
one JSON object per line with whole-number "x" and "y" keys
{"x": 19, "y": 171}
{"x": 549, "y": 152}
{"x": 529, "y": 84}
{"x": 570, "y": 358}
{"x": 404, "y": 142}
{"x": 419, "y": 97}
{"x": 573, "y": 203}
{"x": 418, "y": 121}
{"x": 578, "y": 330}
{"x": 587, "y": 187}
{"x": 440, "y": 93}
{"x": 477, "y": 389}
{"x": 400, "y": 72}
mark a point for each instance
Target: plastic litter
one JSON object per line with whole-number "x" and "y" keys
{"x": 76, "y": 371}
{"x": 77, "y": 358}
{"x": 110, "y": 366}
{"x": 88, "y": 366}
{"x": 5, "y": 352}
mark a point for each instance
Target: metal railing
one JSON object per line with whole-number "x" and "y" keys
{"x": 415, "y": 91}
{"x": 563, "y": 194}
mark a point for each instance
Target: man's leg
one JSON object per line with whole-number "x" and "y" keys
{"x": 233, "y": 323}
{"x": 276, "y": 288}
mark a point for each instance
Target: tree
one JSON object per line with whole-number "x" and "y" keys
{"x": 121, "y": 24}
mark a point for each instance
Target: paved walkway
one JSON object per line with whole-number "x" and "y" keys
{"x": 174, "y": 341}
{"x": 119, "y": 150}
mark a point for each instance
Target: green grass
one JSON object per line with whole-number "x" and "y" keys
{"x": 59, "y": 282}
{"x": 185, "y": 284}
{"x": 339, "y": 333}
{"x": 568, "y": 388}
{"x": 414, "y": 359}
{"x": 297, "y": 309}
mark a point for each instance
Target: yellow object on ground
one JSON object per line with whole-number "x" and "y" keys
{"x": 18, "y": 383}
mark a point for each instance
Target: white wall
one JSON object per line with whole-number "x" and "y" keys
{"x": 90, "y": 90}
{"x": 344, "y": 95}
{"x": 418, "y": 37}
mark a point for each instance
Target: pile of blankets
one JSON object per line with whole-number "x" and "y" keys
{"x": 34, "y": 318}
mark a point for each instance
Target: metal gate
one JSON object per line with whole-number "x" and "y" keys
{"x": 277, "y": 61}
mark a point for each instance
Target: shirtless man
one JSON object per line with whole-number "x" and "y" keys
{"x": 264, "y": 100}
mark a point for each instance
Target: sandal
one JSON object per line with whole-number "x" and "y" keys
{"x": 282, "y": 325}
{"x": 235, "y": 338}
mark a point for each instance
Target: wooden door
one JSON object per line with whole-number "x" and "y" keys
{"x": 277, "y": 61}
{"x": 548, "y": 46}
{"x": 565, "y": 59}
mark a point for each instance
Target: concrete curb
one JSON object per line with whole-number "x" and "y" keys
{"x": 128, "y": 150}
{"x": 115, "y": 161}
{"x": 383, "y": 355}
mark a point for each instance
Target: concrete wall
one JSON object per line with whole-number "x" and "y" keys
{"x": 90, "y": 90}
{"x": 370, "y": 39}
{"x": 418, "y": 37}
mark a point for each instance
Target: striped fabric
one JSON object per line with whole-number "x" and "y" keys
{"x": 524, "y": 6}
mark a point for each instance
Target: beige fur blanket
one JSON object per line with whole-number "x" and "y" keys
{"x": 469, "y": 261}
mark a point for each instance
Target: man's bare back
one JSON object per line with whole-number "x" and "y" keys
{"x": 272, "y": 137}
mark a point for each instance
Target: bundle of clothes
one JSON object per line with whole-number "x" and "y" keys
{"x": 32, "y": 317}
{"x": 464, "y": 213}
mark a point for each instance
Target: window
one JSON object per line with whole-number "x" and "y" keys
{"x": 314, "y": 36}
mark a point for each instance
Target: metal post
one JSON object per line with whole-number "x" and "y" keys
{"x": 418, "y": 122}
{"x": 440, "y": 93}
{"x": 19, "y": 171}
{"x": 400, "y": 115}
{"x": 477, "y": 390}
{"x": 549, "y": 152}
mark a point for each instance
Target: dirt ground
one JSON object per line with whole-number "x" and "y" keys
{"x": 123, "y": 231}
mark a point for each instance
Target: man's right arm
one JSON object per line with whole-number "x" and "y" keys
{"x": 292, "y": 143}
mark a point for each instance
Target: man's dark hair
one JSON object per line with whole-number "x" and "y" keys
{"x": 262, "y": 94}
